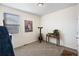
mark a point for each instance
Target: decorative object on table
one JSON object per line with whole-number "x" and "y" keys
{"x": 11, "y": 22}
{"x": 28, "y": 26}
{"x": 40, "y": 35}
{"x": 55, "y": 34}
{"x": 6, "y": 48}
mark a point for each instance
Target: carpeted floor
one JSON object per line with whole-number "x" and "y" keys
{"x": 40, "y": 49}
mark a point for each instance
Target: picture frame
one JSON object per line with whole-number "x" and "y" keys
{"x": 28, "y": 26}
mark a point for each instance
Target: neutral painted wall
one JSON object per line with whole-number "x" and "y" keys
{"x": 66, "y": 21}
{"x": 22, "y": 37}
{"x": 78, "y": 29}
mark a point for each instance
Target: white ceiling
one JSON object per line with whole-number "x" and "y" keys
{"x": 34, "y": 9}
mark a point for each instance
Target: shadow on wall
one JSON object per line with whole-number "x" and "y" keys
{"x": 61, "y": 38}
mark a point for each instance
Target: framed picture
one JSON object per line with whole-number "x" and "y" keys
{"x": 28, "y": 26}
{"x": 11, "y": 22}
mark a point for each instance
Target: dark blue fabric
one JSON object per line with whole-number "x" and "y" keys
{"x": 6, "y": 48}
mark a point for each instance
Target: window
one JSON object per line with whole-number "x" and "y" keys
{"x": 11, "y": 22}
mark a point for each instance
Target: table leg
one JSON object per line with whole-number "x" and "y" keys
{"x": 58, "y": 42}
{"x": 48, "y": 38}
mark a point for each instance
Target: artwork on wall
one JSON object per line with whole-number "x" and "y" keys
{"x": 28, "y": 26}
{"x": 11, "y": 22}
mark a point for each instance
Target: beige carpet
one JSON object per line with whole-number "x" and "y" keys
{"x": 39, "y": 49}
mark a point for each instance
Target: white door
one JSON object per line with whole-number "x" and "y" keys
{"x": 78, "y": 36}
{"x": 78, "y": 30}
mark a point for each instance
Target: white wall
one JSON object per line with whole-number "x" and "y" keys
{"x": 66, "y": 21}
{"x": 78, "y": 29}
{"x": 22, "y": 37}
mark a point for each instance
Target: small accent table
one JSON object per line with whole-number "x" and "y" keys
{"x": 53, "y": 36}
